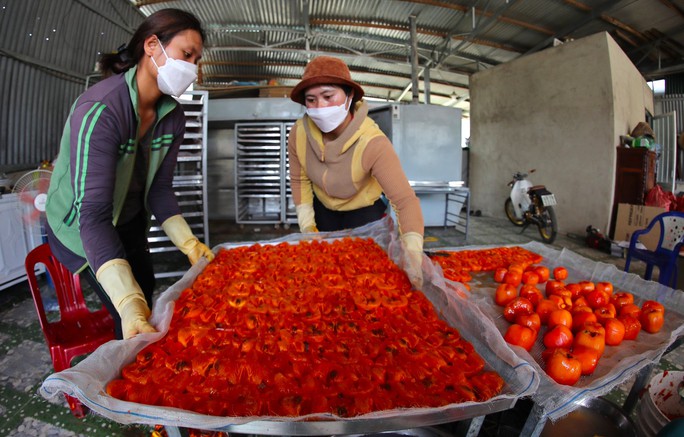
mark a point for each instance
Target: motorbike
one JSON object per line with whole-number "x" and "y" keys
{"x": 531, "y": 204}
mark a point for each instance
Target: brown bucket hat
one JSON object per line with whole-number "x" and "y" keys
{"x": 325, "y": 70}
{"x": 642, "y": 129}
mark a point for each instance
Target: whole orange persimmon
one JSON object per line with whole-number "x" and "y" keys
{"x": 596, "y": 298}
{"x": 563, "y": 367}
{"x": 632, "y": 326}
{"x": 574, "y": 289}
{"x": 580, "y": 318}
{"x": 587, "y": 286}
{"x": 532, "y": 293}
{"x": 652, "y": 304}
{"x": 530, "y": 277}
{"x": 544, "y": 308}
{"x": 621, "y": 298}
{"x": 606, "y": 287}
{"x": 652, "y": 320}
{"x": 560, "y": 317}
{"x": 615, "y": 331}
{"x": 517, "y": 306}
{"x": 605, "y": 312}
{"x": 558, "y": 336}
{"x": 543, "y": 273}
{"x": 552, "y": 285}
{"x": 560, "y": 273}
{"x": 513, "y": 277}
{"x": 530, "y": 320}
{"x": 630, "y": 309}
{"x": 593, "y": 335}
{"x": 504, "y": 294}
{"x": 588, "y": 357}
{"x": 522, "y": 336}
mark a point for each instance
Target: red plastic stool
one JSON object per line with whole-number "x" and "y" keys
{"x": 78, "y": 330}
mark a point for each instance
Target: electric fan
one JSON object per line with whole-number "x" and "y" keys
{"x": 32, "y": 190}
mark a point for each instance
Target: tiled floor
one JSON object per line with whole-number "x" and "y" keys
{"x": 25, "y": 360}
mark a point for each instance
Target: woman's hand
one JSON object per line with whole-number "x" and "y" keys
{"x": 134, "y": 316}
{"x": 116, "y": 277}
{"x": 413, "y": 245}
{"x": 182, "y": 237}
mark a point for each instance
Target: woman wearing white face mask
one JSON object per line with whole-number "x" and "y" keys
{"x": 341, "y": 163}
{"x": 115, "y": 168}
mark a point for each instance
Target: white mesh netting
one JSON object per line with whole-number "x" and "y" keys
{"x": 618, "y": 363}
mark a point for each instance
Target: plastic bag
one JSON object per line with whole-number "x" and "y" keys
{"x": 661, "y": 198}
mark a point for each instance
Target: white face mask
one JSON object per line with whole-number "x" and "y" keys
{"x": 175, "y": 76}
{"x": 330, "y": 117}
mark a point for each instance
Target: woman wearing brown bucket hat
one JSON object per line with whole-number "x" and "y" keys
{"x": 341, "y": 162}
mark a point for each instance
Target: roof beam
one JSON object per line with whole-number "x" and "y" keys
{"x": 484, "y": 13}
{"x": 482, "y": 26}
{"x": 654, "y": 43}
{"x": 405, "y": 28}
{"x": 674, "y": 7}
{"x": 592, "y": 15}
{"x": 608, "y": 19}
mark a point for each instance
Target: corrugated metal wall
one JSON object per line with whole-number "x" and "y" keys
{"x": 674, "y": 84}
{"x": 674, "y": 102}
{"x": 47, "y": 49}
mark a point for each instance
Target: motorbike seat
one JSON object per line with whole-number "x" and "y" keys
{"x": 537, "y": 187}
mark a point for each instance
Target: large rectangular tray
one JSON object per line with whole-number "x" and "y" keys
{"x": 87, "y": 380}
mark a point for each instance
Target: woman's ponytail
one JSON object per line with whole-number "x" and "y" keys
{"x": 117, "y": 62}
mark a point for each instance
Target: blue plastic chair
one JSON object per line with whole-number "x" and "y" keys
{"x": 665, "y": 254}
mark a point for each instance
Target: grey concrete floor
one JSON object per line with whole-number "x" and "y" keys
{"x": 25, "y": 360}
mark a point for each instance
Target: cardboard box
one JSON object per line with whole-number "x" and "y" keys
{"x": 632, "y": 218}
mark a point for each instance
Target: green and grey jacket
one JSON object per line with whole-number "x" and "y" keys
{"x": 94, "y": 168}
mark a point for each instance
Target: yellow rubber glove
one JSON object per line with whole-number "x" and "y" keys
{"x": 181, "y": 235}
{"x": 413, "y": 245}
{"x": 118, "y": 282}
{"x": 305, "y": 218}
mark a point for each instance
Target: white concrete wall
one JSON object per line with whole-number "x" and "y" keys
{"x": 560, "y": 111}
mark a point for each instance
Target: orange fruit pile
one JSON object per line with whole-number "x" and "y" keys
{"x": 294, "y": 329}
{"x": 458, "y": 265}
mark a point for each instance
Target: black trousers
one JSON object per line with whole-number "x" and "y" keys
{"x": 328, "y": 220}
{"x": 133, "y": 236}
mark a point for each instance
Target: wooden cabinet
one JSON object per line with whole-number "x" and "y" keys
{"x": 634, "y": 175}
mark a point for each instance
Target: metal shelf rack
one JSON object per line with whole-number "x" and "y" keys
{"x": 262, "y": 189}
{"x": 189, "y": 180}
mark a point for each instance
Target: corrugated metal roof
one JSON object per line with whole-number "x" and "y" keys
{"x": 262, "y": 41}
{"x": 67, "y": 35}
